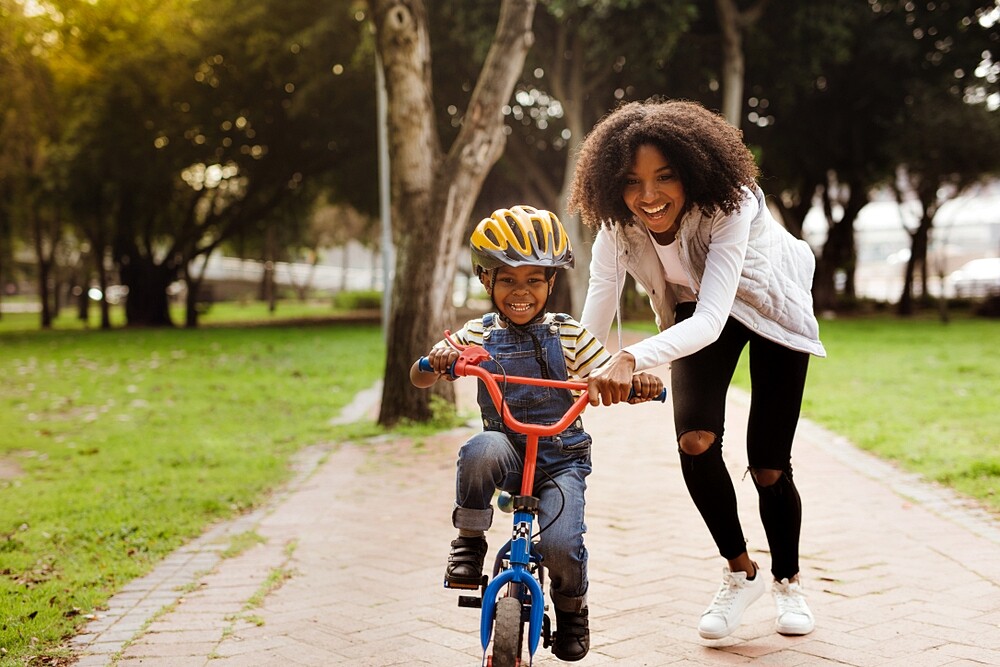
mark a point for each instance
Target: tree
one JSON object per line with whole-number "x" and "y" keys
{"x": 196, "y": 120}
{"x": 732, "y": 23}
{"x": 946, "y": 145}
{"x": 433, "y": 191}
{"x": 29, "y": 130}
{"x": 589, "y": 56}
{"x": 825, "y": 113}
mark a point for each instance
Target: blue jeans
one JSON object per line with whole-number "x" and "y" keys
{"x": 489, "y": 461}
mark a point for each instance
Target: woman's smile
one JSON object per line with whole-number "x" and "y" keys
{"x": 653, "y": 192}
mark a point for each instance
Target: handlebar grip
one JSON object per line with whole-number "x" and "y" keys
{"x": 424, "y": 364}
{"x": 662, "y": 398}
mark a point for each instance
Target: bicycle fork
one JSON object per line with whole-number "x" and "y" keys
{"x": 519, "y": 573}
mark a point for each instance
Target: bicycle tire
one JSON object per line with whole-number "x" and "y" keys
{"x": 507, "y": 633}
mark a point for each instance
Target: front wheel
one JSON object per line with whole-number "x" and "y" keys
{"x": 507, "y": 635}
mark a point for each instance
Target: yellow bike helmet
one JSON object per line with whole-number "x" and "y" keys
{"x": 520, "y": 236}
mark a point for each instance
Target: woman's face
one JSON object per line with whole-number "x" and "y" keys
{"x": 653, "y": 191}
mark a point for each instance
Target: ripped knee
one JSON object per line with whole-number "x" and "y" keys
{"x": 694, "y": 443}
{"x": 764, "y": 477}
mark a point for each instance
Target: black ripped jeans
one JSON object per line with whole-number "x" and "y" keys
{"x": 699, "y": 384}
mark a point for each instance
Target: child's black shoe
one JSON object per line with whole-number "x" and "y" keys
{"x": 572, "y": 640}
{"x": 465, "y": 563}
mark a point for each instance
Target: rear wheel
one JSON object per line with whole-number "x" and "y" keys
{"x": 507, "y": 634}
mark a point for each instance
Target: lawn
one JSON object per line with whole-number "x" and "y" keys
{"x": 918, "y": 392}
{"x": 118, "y": 446}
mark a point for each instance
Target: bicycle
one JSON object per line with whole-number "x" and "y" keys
{"x": 518, "y": 564}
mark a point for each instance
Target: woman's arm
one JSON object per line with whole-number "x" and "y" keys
{"x": 717, "y": 291}
{"x": 607, "y": 278}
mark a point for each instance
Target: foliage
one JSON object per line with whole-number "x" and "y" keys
{"x": 182, "y": 124}
{"x": 358, "y": 300}
{"x": 122, "y": 445}
{"x": 829, "y": 114}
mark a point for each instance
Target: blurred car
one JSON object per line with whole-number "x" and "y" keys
{"x": 978, "y": 278}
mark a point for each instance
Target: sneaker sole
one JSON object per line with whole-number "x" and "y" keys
{"x": 793, "y": 632}
{"x": 715, "y": 635}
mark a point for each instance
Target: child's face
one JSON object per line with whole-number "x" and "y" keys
{"x": 520, "y": 292}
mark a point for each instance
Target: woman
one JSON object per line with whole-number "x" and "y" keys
{"x": 672, "y": 191}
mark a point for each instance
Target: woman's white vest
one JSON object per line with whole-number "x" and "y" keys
{"x": 774, "y": 297}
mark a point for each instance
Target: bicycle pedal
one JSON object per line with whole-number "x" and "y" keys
{"x": 470, "y": 601}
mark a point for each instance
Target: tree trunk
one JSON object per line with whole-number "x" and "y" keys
{"x": 102, "y": 283}
{"x": 43, "y": 256}
{"x": 580, "y": 236}
{"x": 732, "y": 23}
{"x": 839, "y": 248}
{"x": 3, "y": 269}
{"x": 146, "y": 303}
{"x": 732, "y": 60}
{"x": 433, "y": 196}
{"x": 918, "y": 259}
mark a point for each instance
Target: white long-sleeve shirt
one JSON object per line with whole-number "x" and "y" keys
{"x": 743, "y": 265}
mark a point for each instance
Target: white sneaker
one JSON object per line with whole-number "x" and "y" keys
{"x": 735, "y": 594}
{"x": 794, "y": 617}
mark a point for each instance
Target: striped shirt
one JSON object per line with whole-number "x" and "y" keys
{"x": 581, "y": 349}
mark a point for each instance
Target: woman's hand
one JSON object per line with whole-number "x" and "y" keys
{"x": 646, "y": 387}
{"x": 611, "y": 383}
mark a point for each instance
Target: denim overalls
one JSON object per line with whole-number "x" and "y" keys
{"x": 495, "y": 458}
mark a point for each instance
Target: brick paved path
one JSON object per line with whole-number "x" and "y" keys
{"x": 897, "y": 572}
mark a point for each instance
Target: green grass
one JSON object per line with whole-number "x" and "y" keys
{"x": 921, "y": 393}
{"x": 120, "y": 445}
{"x": 223, "y": 313}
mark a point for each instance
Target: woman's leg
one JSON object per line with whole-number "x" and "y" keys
{"x": 778, "y": 377}
{"x": 699, "y": 384}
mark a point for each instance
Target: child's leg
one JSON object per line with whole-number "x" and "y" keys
{"x": 484, "y": 463}
{"x": 565, "y": 558}
{"x": 561, "y": 518}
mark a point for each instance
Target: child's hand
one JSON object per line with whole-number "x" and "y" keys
{"x": 646, "y": 387}
{"x": 442, "y": 359}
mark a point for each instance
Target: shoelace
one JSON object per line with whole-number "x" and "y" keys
{"x": 788, "y": 599}
{"x": 726, "y": 595}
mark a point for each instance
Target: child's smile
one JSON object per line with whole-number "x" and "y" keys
{"x": 520, "y": 292}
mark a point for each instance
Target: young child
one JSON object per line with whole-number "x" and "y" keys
{"x": 515, "y": 253}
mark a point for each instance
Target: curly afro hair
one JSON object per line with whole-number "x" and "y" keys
{"x": 706, "y": 152}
